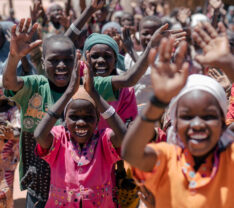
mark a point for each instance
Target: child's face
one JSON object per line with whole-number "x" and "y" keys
{"x": 127, "y": 20}
{"x": 199, "y": 122}
{"x": 81, "y": 119}
{"x": 55, "y": 13}
{"x": 58, "y": 62}
{"x": 103, "y": 60}
{"x": 147, "y": 29}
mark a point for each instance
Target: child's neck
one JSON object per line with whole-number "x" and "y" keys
{"x": 199, "y": 160}
{"x": 57, "y": 89}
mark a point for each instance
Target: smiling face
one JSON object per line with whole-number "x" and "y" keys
{"x": 58, "y": 62}
{"x": 199, "y": 122}
{"x": 103, "y": 60}
{"x": 147, "y": 29}
{"x": 55, "y": 13}
{"x": 81, "y": 119}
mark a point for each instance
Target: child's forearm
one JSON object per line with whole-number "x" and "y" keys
{"x": 132, "y": 76}
{"x": 10, "y": 80}
{"x": 80, "y": 22}
{"x": 42, "y": 132}
{"x": 114, "y": 121}
{"x": 138, "y": 136}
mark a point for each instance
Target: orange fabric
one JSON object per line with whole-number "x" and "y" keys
{"x": 172, "y": 187}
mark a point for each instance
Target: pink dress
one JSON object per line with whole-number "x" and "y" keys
{"x": 80, "y": 178}
{"x": 125, "y": 106}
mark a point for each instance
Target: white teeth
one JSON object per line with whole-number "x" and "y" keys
{"x": 61, "y": 73}
{"x": 100, "y": 71}
{"x": 81, "y": 132}
{"x": 198, "y": 136}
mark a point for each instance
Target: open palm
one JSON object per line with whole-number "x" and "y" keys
{"x": 21, "y": 44}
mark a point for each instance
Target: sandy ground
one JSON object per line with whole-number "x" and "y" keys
{"x": 18, "y": 195}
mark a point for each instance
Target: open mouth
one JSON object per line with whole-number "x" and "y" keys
{"x": 61, "y": 75}
{"x": 198, "y": 137}
{"x": 101, "y": 70}
{"x": 81, "y": 132}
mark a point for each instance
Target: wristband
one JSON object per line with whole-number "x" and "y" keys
{"x": 144, "y": 118}
{"x": 53, "y": 114}
{"x": 156, "y": 102}
{"x": 74, "y": 29}
{"x": 108, "y": 113}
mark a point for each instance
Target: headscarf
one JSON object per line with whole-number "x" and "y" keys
{"x": 96, "y": 38}
{"x": 114, "y": 25}
{"x": 80, "y": 94}
{"x": 196, "y": 82}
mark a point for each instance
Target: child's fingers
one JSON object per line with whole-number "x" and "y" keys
{"x": 26, "y": 25}
{"x": 162, "y": 48}
{"x": 33, "y": 30}
{"x": 13, "y": 31}
{"x": 169, "y": 48}
{"x": 184, "y": 73}
{"x": 197, "y": 38}
{"x": 34, "y": 44}
{"x": 181, "y": 54}
{"x": 212, "y": 32}
{"x": 201, "y": 59}
{"x": 152, "y": 57}
{"x": 205, "y": 37}
{"x": 21, "y": 24}
{"x": 163, "y": 28}
{"x": 222, "y": 28}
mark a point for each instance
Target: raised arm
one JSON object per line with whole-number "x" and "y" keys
{"x": 74, "y": 30}
{"x": 114, "y": 121}
{"x": 42, "y": 132}
{"x": 20, "y": 46}
{"x": 216, "y": 48}
{"x": 131, "y": 77}
{"x": 167, "y": 80}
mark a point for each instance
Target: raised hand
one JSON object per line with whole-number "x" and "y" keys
{"x": 88, "y": 76}
{"x": 97, "y": 4}
{"x": 168, "y": 78}
{"x": 75, "y": 76}
{"x": 220, "y": 77}
{"x": 183, "y": 15}
{"x": 20, "y": 44}
{"x": 36, "y": 11}
{"x": 127, "y": 41}
{"x": 216, "y": 4}
{"x": 65, "y": 21}
{"x": 215, "y": 46}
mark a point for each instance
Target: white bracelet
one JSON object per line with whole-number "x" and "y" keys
{"x": 74, "y": 29}
{"x": 108, "y": 113}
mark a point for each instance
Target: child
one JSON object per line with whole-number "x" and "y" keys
{"x": 80, "y": 157}
{"x": 197, "y": 174}
{"x": 149, "y": 27}
{"x": 9, "y": 148}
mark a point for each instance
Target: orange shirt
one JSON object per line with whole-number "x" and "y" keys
{"x": 175, "y": 184}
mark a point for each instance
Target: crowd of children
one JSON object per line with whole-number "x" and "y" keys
{"x": 112, "y": 108}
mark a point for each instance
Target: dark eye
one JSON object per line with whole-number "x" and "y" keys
{"x": 73, "y": 117}
{"x": 186, "y": 117}
{"x": 209, "y": 117}
{"x": 94, "y": 56}
{"x": 107, "y": 56}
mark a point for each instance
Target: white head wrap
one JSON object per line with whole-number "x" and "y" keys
{"x": 196, "y": 82}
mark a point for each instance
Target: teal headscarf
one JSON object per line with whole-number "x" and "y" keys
{"x": 96, "y": 38}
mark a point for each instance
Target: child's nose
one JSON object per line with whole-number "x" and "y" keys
{"x": 101, "y": 59}
{"x": 61, "y": 64}
{"x": 197, "y": 123}
{"x": 81, "y": 122}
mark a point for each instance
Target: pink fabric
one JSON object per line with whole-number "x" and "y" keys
{"x": 81, "y": 177}
{"x": 125, "y": 106}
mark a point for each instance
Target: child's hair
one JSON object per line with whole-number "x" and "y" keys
{"x": 56, "y": 38}
{"x": 154, "y": 19}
